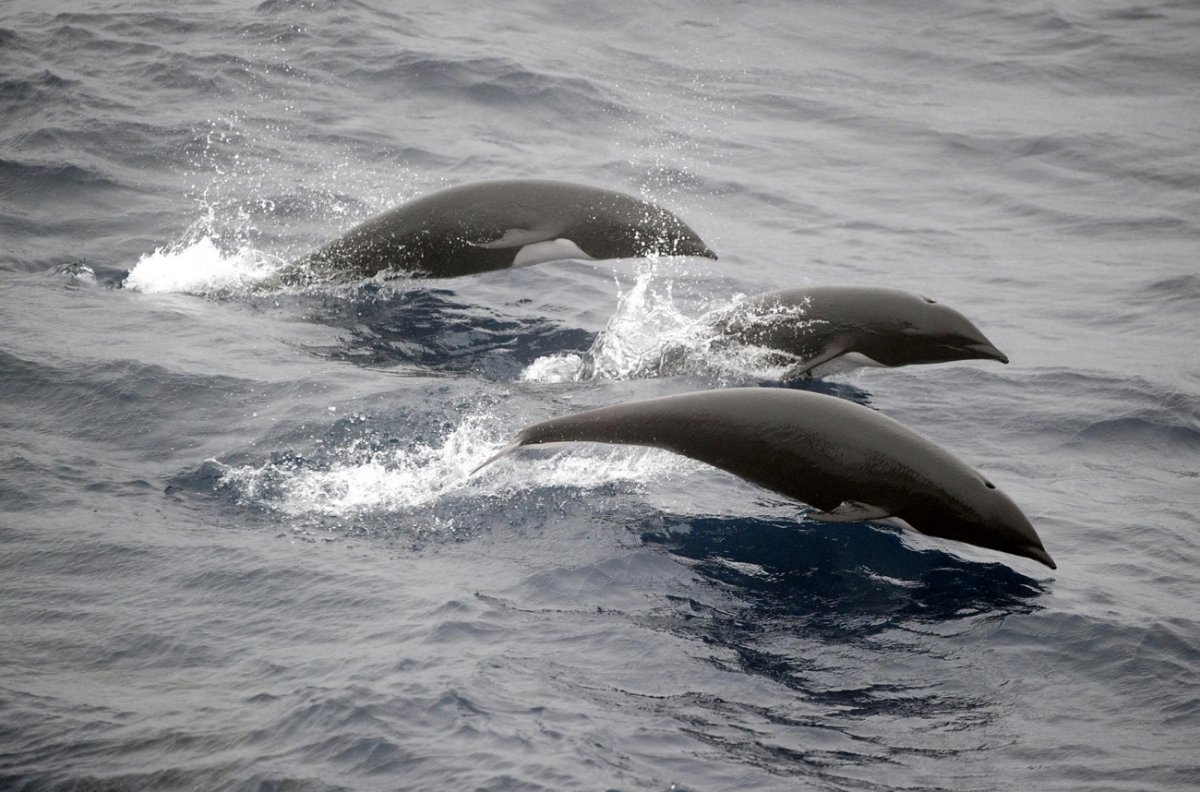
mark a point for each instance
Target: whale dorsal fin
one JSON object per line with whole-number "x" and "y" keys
{"x": 805, "y": 367}
{"x": 517, "y": 238}
{"x": 850, "y": 511}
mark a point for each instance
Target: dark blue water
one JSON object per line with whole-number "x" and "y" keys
{"x": 239, "y": 545}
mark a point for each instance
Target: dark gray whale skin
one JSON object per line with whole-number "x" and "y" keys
{"x": 821, "y": 323}
{"x": 483, "y": 226}
{"x": 846, "y": 460}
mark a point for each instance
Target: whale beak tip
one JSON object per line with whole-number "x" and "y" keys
{"x": 988, "y": 352}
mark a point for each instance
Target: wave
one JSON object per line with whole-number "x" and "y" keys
{"x": 17, "y": 177}
{"x": 492, "y": 82}
{"x": 1152, "y": 432}
{"x": 1114, "y": 415}
{"x": 1182, "y": 290}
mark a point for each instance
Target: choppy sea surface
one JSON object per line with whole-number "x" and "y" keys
{"x": 240, "y": 548}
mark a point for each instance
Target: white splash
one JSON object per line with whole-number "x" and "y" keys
{"x": 236, "y": 188}
{"x": 650, "y": 336}
{"x": 362, "y": 481}
{"x": 199, "y": 266}
{"x": 646, "y": 334}
{"x": 555, "y": 368}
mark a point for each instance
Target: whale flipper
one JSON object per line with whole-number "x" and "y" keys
{"x": 850, "y": 511}
{"x": 805, "y": 367}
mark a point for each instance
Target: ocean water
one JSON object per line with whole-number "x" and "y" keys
{"x": 240, "y": 545}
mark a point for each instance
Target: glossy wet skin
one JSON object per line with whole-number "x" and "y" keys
{"x": 888, "y": 326}
{"x": 819, "y": 450}
{"x": 480, "y": 227}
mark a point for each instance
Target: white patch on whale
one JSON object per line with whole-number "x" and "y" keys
{"x": 550, "y": 250}
{"x": 847, "y": 361}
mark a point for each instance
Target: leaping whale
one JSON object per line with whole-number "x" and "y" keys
{"x": 866, "y": 325}
{"x": 494, "y": 225}
{"x": 848, "y": 461}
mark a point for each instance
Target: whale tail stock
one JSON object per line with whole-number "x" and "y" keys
{"x": 527, "y": 438}
{"x": 503, "y": 452}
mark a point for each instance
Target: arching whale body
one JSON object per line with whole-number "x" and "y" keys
{"x": 846, "y": 460}
{"x": 493, "y": 225}
{"x": 855, "y": 324}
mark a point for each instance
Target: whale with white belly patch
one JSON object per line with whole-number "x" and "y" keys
{"x": 848, "y": 461}
{"x": 494, "y": 225}
{"x": 860, "y": 325}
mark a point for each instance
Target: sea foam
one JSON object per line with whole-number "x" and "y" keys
{"x": 200, "y": 266}
{"x": 361, "y": 478}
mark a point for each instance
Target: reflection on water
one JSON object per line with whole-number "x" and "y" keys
{"x": 805, "y": 591}
{"x": 433, "y": 329}
{"x": 845, "y": 581}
